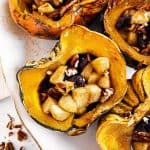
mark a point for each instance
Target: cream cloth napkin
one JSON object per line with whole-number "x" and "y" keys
{"x": 3, "y": 87}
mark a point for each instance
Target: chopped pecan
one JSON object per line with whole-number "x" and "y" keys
{"x": 21, "y": 135}
{"x": 9, "y": 146}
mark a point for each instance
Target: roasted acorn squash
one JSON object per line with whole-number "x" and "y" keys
{"x": 128, "y": 24}
{"x": 128, "y": 125}
{"x": 75, "y": 40}
{"x": 49, "y": 18}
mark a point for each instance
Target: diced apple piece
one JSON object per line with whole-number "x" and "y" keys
{"x": 81, "y": 96}
{"x": 50, "y": 106}
{"x": 69, "y": 86}
{"x": 81, "y": 110}
{"x": 47, "y": 104}
{"x": 104, "y": 81}
{"x": 87, "y": 71}
{"x": 68, "y": 104}
{"x": 100, "y": 65}
{"x": 93, "y": 78}
{"x": 58, "y": 113}
{"x": 58, "y": 75}
{"x": 94, "y": 93}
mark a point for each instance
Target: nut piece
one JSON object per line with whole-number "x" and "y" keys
{"x": 9, "y": 146}
{"x": 71, "y": 72}
{"x": 94, "y": 93}
{"x": 58, "y": 75}
{"x": 106, "y": 95}
{"x": 104, "y": 81}
{"x": 50, "y": 106}
{"x": 64, "y": 87}
{"x": 68, "y": 104}
{"x": 101, "y": 64}
{"x": 21, "y": 135}
{"x": 93, "y": 78}
{"x": 46, "y": 8}
{"x": 81, "y": 96}
{"x": 87, "y": 71}
{"x": 75, "y": 61}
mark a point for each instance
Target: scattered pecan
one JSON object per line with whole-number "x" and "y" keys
{"x": 22, "y": 148}
{"x": 2, "y": 146}
{"x": 21, "y": 135}
{"x": 9, "y": 146}
{"x": 18, "y": 126}
{"x": 10, "y": 133}
{"x": 10, "y": 125}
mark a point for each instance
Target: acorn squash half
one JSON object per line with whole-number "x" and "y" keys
{"x": 128, "y": 124}
{"x": 76, "y": 40}
{"x": 49, "y": 18}
{"x": 128, "y": 24}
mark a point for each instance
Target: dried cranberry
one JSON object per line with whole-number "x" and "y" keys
{"x": 78, "y": 79}
{"x": 124, "y": 22}
{"x": 83, "y": 61}
{"x": 147, "y": 28}
{"x": 54, "y": 93}
{"x": 45, "y": 85}
{"x": 143, "y": 126}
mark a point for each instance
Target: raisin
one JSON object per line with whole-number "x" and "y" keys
{"x": 83, "y": 61}
{"x": 143, "y": 126}
{"x": 124, "y": 22}
{"x": 45, "y": 85}
{"x": 54, "y": 93}
{"x": 78, "y": 80}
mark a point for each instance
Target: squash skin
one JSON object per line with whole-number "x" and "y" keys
{"x": 44, "y": 27}
{"x": 112, "y": 14}
{"x": 72, "y": 42}
{"x": 120, "y": 129}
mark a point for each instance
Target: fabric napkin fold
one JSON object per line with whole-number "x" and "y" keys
{"x": 4, "y": 93}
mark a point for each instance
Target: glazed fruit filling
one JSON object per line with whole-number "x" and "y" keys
{"x": 134, "y": 25}
{"x": 142, "y": 130}
{"x": 77, "y": 87}
{"x": 54, "y": 9}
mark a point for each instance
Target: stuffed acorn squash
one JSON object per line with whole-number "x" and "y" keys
{"x": 48, "y": 18}
{"x": 128, "y": 124}
{"x": 83, "y": 78}
{"x": 128, "y": 24}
